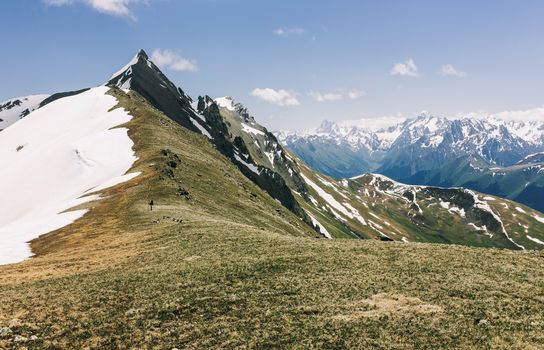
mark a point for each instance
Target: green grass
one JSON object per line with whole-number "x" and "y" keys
{"x": 434, "y": 224}
{"x": 240, "y": 271}
{"x": 209, "y": 285}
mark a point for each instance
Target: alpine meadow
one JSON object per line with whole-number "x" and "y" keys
{"x": 318, "y": 204}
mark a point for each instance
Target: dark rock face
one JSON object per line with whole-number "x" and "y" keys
{"x": 10, "y": 104}
{"x": 145, "y": 78}
{"x": 60, "y": 95}
{"x": 267, "y": 179}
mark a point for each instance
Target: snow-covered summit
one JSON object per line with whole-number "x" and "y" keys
{"x": 123, "y": 77}
{"x": 232, "y": 105}
{"x": 142, "y": 76}
{"x": 75, "y": 147}
{"x": 18, "y": 108}
{"x": 226, "y": 102}
{"x": 141, "y": 55}
{"x": 132, "y": 62}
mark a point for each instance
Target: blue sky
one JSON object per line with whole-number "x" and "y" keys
{"x": 293, "y": 63}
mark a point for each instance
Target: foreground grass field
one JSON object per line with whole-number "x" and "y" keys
{"x": 218, "y": 264}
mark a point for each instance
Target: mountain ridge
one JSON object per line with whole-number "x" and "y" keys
{"x": 348, "y": 208}
{"x": 417, "y": 150}
{"x": 465, "y": 135}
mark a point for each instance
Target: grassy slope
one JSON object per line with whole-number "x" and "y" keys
{"x": 385, "y": 215}
{"x": 436, "y": 224}
{"x": 228, "y": 275}
{"x": 474, "y": 172}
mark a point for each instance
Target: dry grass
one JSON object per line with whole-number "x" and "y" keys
{"x": 380, "y": 305}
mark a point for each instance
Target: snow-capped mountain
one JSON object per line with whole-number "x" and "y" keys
{"x": 461, "y": 136}
{"x": 530, "y": 131}
{"x": 418, "y": 151}
{"x": 411, "y": 145}
{"x": 428, "y": 142}
{"x": 18, "y": 108}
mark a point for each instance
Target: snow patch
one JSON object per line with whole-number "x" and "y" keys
{"x": 414, "y": 202}
{"x": 536, "y": 240}
{"x": 270, "y": 157}
{"x": 485, "y": 206}
{"x": 71, "y": 145}
{"x": 521, "y": 210}
{"x": 322, "y": 228}
{"x": 250, "y": 166}
{"x": 127, "y": 66}
{"x": 538, "y": 218}
{"x": 201, "y": 128}
{"x": 126, "y": 85}
{"x": 251, "y": 130}
{"x": 457, "y": 210}
{"x": 331, "y": 185}
{"x": 445, "y": 205}
{"x": 225, "y": 102}
{"x": 355, "y": 214}
{"x": 328, "y": 198}
{"x": 481, "y": 228}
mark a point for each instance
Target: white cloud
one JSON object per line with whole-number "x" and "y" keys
{"x": 449, "y": 70}
{"x": 119, "y": 8}
{"x": 171, "y": 60}
{"x": 280, "y": 97}
{"x": 375, "y": 123}
{"x": 330, "y": 96}
{"x": 355, "y": 94}
{"x": 407, "y": 68}
{"x": 288, "y": 31}
{"x": 336, "y": 95}
{"x": 536, "y": 114}
{"x": 533, "y": 114}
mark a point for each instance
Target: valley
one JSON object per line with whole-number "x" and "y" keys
{"x": 492, "y": 156}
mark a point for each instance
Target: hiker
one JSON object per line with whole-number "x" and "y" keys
{"x": 151, "y": 205}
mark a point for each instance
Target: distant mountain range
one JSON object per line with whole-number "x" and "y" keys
{"x": 494, "y": 156}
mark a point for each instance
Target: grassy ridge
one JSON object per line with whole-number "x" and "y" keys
{"x": 240, "y": 271}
